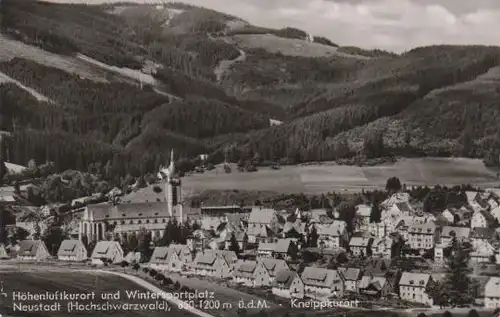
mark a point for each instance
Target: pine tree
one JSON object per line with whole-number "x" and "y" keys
{"x": 234, "y": 246}
{"x": 457, "y": 284}
{"x": 375, "y": 213}
{"x": 312, "y": 239}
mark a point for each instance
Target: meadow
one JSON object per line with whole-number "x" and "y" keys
{"x": 74, "y": 282}
{"x": 327, "y": 177}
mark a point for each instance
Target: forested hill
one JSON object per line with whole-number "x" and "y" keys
{"x": 122, "y": 84}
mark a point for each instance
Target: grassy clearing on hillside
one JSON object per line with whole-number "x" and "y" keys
{"x": 11, "y": 48}
{"x": 314, "y": 179}
{"x": 292, "y": 47}
{"x": 77, "y": 283}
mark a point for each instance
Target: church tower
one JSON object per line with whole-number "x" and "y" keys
{"x": 173, "y": 189}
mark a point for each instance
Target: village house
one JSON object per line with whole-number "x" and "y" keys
{"x": 273, "y": 266}
{"x": 319, "y": 216}
{"x": 251, "y": 273}
{"x": 200, "y": 240}
{"x": 351, "y": 277}
{"x": 288, "y": 284}
{"x": 477, "y": 235}
{"x": 403, "y": 209}
{"x": 333, "y": 235}
{"x": 72, "y": 250}
{"x": 482, "y": 252}
{"x": 295, "y": 229}
{"x": 361, "y": 246}
{"x": 262, "y": 224}
{"x": 174, "y": 258}
{"x": 451, "y": 215}
{"x": 363, "y": 215}
{"x": 33, "y": 250}
{"x": 492, "y": 293}
{"x": 322, "y": 283}
{"x": 107, "y": 250}
{"x": 472, "y": 199}
{"x": 212, "y": 263}
{"x": 266, "y": 249}
{"x": 449, "y": 232}
{"x": 482, "y": 219}
{"x": 285, "y": 249}
{"x": 394, "y": 199}
{"x": 382, "y": 228}
{"x": 382, "y": 247}
{"x": 422, "y": 236}
{"x": 3, "y": 253}
{"x": 375, "y": 286}
{"x": 241, "y": 238}
{"x": 413, "y": 287}
{"x": 495, "y": 212}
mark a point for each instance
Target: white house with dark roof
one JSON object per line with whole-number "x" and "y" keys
{"x": 273, "y": 266}
{"x": 361, "y": 246}
{"x": 173, "y": 258}
{"x": 333, "y": 235}
{"x": 261, "y": 223}
{"x": 251, "y": 273}
{"x": 72, "y": 250}
{"x": 375, "y": 286}
{"x": 422, "y": 236}
{"x": 352, "y": 277}
{"x": 266, "y": 249}
{"x": 33, "y": 250}
{"x": 285, "y": 249}
{"x": 413, "y": 287}
{"x": 109, "y": 250}
{"x": 288, "y": 284}
{"x": 492, "y": 293}
{"x": 322, "y": 283}
{"x": 482, "y": 251}
{"x": 211, "y": 263}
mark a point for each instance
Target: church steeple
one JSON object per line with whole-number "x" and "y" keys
{"x": 171, "y": 167}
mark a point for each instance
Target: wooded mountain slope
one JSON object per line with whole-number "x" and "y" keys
{"x": 345, "y": 102}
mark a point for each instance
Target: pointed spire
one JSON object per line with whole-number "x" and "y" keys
{"x": 172, "y": 163}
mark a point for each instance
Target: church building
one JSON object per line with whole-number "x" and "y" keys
{"x": 127, "y": 218}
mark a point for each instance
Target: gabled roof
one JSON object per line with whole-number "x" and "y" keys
{"x": 273, "y": 264}
{"x": 471, "y": 196}
{"x": 487, "y": 215}
{"x": 3, "y": 252}
{"x": 284, "y": 278}
{"x": 363, "y": 210}
{"x": 264, "y": 246}
{"x": 350, "y": 274}
{"x": 283, "y": 245}
{"x": 425, "y": 228}
{"x": 263, "y": 215}
{"x": 414, "y": 279}
{"x": 30, "y": 247}
{"x": 128, "y": 210}
{"x": 360, "y": 242}
{"x": 460, "y": 232}
{"x": 264, "y": 231}
{"x": 336, "y": 229}
{"x": 245, "y": 269}
{"x": 403, "y": 206}
{"x": 314, "y": 276}
{"x": 492, "y": 287}
{"x": 70, "y": 247}
{"x": 103, "y": 248}
{"x": 482, "y": 233}
{"x": 206, "y": 258}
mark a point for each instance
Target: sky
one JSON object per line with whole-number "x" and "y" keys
{"x": 394, "y": 25}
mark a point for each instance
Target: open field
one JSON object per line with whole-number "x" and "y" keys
{"x": 11, "y": 48}
{"x": 329, "y": 177}
{"x": 292, "y": 47}
{"x": 75, "y": 282}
